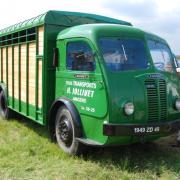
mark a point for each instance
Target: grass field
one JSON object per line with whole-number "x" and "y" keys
{"x": 26, "y": 152}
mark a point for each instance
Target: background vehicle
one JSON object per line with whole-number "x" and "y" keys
{"x": 101, "y": 83}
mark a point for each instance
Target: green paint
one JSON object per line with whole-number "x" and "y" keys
{"x": 99, "y": 95}
{"x": 19, "y": 75}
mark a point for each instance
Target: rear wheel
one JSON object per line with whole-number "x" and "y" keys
{"x": 66, "y": 132}
{"x": 5, "y": 112}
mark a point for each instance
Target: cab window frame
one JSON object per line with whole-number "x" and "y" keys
{"x": 89, "y": 44}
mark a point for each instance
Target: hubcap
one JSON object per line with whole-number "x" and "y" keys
{"x": 65, "y": 130}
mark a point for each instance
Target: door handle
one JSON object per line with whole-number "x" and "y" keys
{"x": 100, "y": 85}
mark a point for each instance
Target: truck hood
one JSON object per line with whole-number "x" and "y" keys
{"x": 153, "y": 95}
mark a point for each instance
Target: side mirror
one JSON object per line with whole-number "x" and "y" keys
{"x": 177, "y": 65}
{"x": 55, "y": 57}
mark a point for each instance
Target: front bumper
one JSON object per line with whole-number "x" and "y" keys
{"x": 141, "y": 129}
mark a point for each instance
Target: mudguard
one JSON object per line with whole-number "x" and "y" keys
{"x": 73, "y": 110}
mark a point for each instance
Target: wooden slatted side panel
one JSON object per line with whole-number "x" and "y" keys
{"x": 32, "y": 72}
{"x": 40, "y": 40}
{"x": 16, "y": 72}
{"x": 10, "y": 71}
{"x": 23, "y": 72}
{"x": 4, "y": 64}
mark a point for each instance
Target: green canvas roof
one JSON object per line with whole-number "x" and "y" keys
{"x": 62, "y": 18}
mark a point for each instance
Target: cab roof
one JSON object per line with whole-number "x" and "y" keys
{"x": 88, "y": 30}
{"x": 92, "y": 30}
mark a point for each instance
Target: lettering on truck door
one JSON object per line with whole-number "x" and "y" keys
{"x": 83, "y": 84}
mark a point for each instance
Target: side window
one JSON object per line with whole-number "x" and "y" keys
{"x": 161, "y": 56}
{"x": 80, "y": 57}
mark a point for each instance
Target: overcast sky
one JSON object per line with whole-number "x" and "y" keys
{"x": 161, "y": 17}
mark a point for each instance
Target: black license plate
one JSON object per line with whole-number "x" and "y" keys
{"x": 146, "y": 130}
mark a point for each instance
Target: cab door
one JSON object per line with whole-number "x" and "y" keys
{"x": 80, "y": 75}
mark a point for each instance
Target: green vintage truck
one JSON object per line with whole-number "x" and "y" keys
{"x": 92, "y": 80}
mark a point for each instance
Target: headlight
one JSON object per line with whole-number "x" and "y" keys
{"x": 129, "y": 108}
{"x": 177, "y": 104}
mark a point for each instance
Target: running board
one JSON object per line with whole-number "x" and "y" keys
{"x": 89, "y": 142}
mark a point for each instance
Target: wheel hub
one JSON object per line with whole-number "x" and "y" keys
{"x": 65, "y": 131}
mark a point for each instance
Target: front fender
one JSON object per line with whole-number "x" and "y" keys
{"x": 73, "y": 110}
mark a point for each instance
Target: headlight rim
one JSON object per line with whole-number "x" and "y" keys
{"x": 177, "y": 107}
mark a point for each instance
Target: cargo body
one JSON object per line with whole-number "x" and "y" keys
{"x": 21, "y": 71}
{"x": 92, "y": 80}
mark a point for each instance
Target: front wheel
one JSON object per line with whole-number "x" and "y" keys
{"x": 66, "y": 132}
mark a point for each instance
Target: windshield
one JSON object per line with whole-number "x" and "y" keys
{"x": 161, "y": 56}
{"x": 123, "y": 54}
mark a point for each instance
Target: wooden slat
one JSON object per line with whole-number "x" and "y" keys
{"x": 23, "y": 72}
{"x": 41, "y": 40}
{"x": 32, "y": 72}
{"x": 16, "y": 72}
{"x": 4, "y": 64}
{"x": 10, "y": 71}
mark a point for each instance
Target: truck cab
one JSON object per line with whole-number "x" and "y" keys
{"x": 122, "y": 82}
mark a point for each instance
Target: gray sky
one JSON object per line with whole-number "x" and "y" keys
{"x": 161, "y": 17}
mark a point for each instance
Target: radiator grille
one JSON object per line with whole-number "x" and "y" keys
{"x": 163, "y": 99}
{"x": 157, "y": 99}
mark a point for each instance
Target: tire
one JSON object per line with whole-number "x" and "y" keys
{"x": 5, "y": 112}
{"x": 66, "y": 132}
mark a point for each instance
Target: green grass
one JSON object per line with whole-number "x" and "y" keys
{"x": 26, "y": 152}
